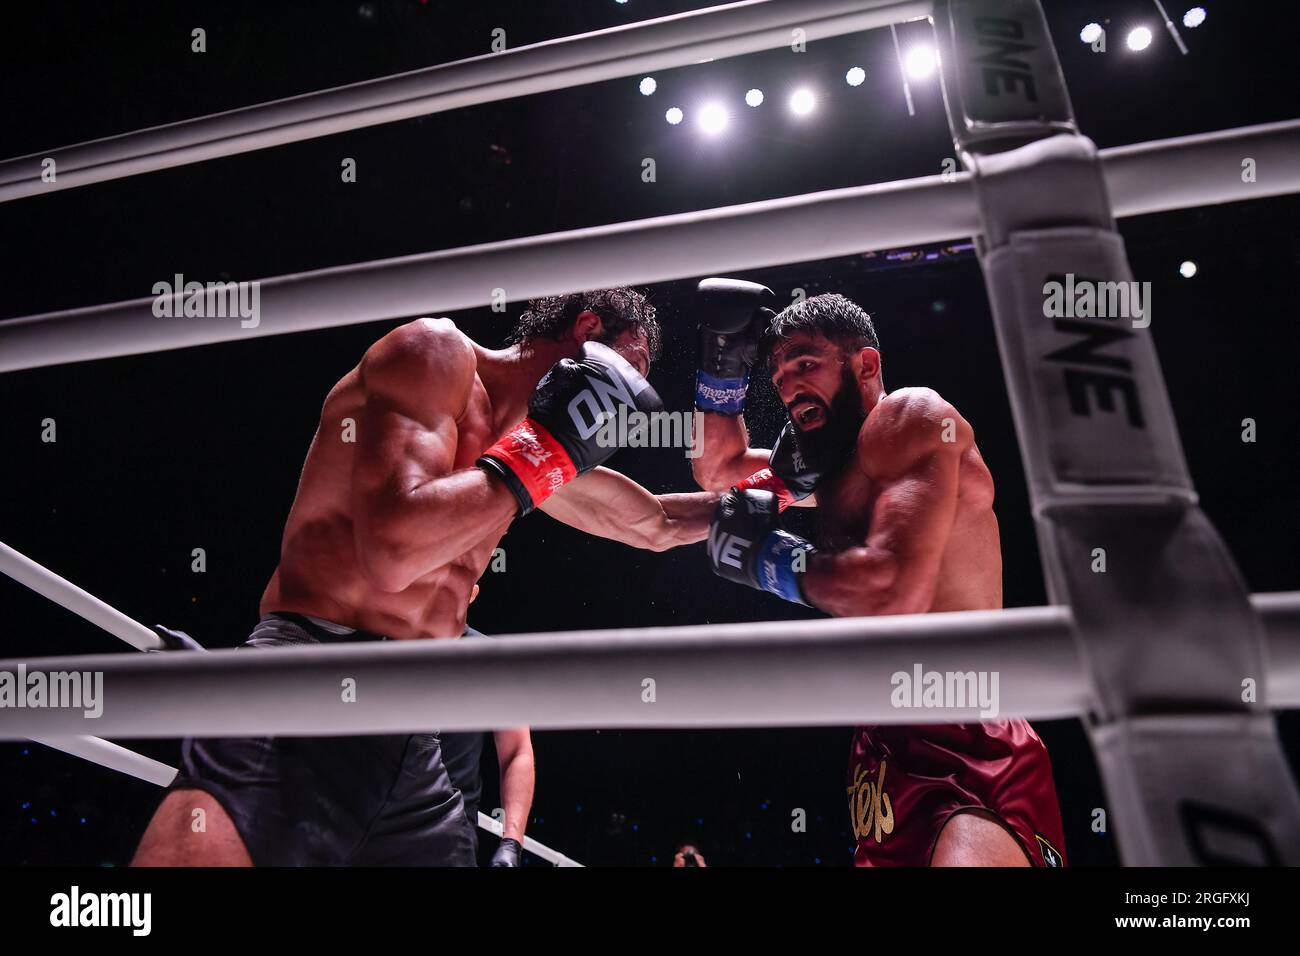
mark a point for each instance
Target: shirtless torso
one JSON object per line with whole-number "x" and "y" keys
{"x": 392, "y": 523}
{"x": 906, "y": 526}
{"x": 882, "y": 478}
{"x": 320, "y": 573}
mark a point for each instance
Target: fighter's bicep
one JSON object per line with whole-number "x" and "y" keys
{"x": 396, "y": 452}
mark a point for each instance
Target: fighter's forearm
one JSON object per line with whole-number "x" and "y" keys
{"x": 863, "y": 581}
{"x": 686, "y": 517}
{"x": 517, "y": 781}
{"x": 724, "y": 445}
{"x": 611, "y": 505}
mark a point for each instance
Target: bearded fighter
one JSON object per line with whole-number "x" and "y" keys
{"x": 425, "y": 454}
{"x": 906, "y": 526}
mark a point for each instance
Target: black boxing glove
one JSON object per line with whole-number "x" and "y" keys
{"x": 507, "y": 854}
{"x": 735, "y": 316}
{"x": 174, "y": 640}
{"x": 747, "y": 547}
{"x": 563, "y": 436}
{"x": 787, "y": 474}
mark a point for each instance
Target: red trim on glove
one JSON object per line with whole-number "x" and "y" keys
{"x": 766, "y": 480}
{"x": 540, "y": 462}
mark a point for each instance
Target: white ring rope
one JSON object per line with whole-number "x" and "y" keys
{"x": 63, "y": 592}
{"x": 1142, "y": 178}
{"x": 555, "y": 857}
{"x": 114, "y": 757}
{"x": 770, "y": 674}
{"x": 658, "y": 44}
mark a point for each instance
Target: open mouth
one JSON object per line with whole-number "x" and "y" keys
{"x": 807, "y": 415}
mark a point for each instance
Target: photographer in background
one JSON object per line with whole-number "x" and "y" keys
{"x": 688, "y": 854}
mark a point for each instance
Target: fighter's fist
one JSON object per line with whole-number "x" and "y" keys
{"x": 560, "y": 438}
{"x": 734, "y": 314}
{"x": 788, "y": 474}
{"x": 747, "y": 546}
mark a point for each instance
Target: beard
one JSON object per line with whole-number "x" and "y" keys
{"x": 826, "y": 448}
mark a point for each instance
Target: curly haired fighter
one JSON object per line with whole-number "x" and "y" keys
{"x": 425, "y": 454}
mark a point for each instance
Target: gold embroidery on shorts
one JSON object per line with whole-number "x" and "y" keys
{"x": 870, "y": 809}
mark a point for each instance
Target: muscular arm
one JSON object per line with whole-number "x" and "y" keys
{"x": 411, "y": 512}
{"x": 515, "y": 759}
{"x": 609, "y": 505}
{"x": 725, "y": 457}
{"x": 896, "y": 570}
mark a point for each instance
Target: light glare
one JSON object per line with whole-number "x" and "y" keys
{"x": 1139, "y": 39}
{"x": 713, "y": 118}
{"x": 920, "y": 62}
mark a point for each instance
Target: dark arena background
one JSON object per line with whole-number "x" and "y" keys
{"x": 159, "y": 454}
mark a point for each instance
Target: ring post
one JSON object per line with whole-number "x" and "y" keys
{"x": 1185, "y": 742}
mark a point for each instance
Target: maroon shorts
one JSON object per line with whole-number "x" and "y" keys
{"x": 906, "y": 782}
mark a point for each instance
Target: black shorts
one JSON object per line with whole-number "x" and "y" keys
{"x": 332, "y": 801}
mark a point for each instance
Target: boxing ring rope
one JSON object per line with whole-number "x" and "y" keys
{"x": 541, "y": 850}
{"x": 1142, "y": 178}
{"x": 63, "y": 592}
{"x": 721, "y": 675}
{"x": 659, "y": 44}
{"x": 114, "y": 757}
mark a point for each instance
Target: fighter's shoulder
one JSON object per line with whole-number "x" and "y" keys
{"x": 422, "y": 351}
{"x": 910, "y": 422}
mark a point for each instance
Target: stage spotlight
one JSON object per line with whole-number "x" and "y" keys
{"x": 1194, "y": 17}
{"x": 1091, "y": 33}
{"x": 754, "y": 98}
{"x": 1139, "y": 39}
{"x": 648, "y": 86}
{"x": 1187, "y": 269}
{"x": 802, "y": 102}
{"x": 673, "y": 116}
{"x": 920, "y": 62}
{"x": 855, "y": 76}
{"x": 713, "y": 118}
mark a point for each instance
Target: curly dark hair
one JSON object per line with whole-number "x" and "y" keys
{"x": 619, "y": 309}
{"x": 838, "y": 318}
